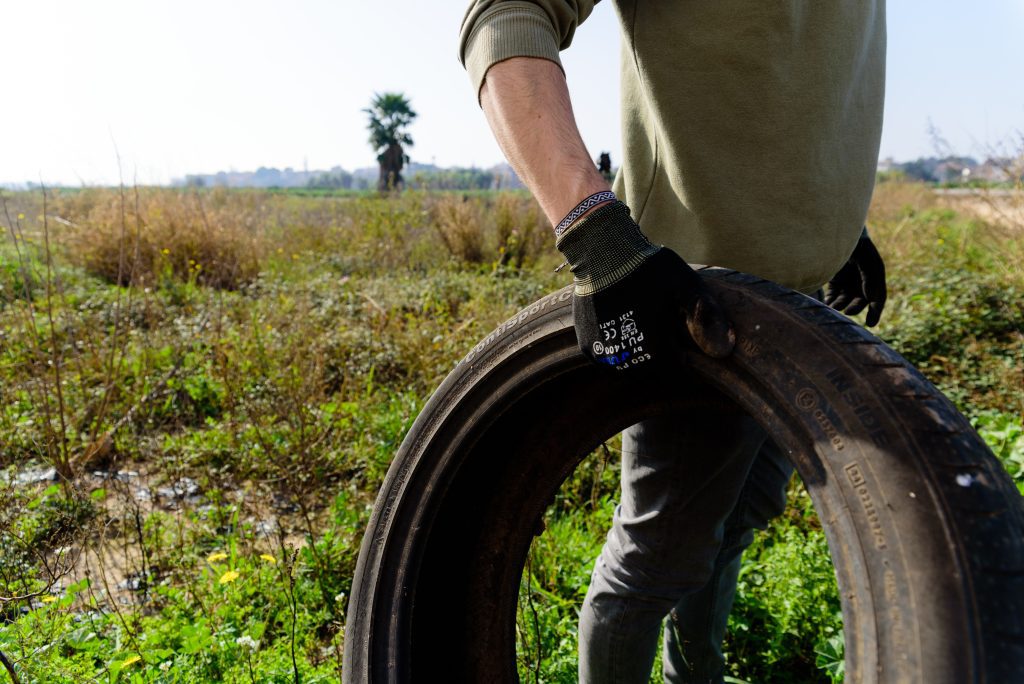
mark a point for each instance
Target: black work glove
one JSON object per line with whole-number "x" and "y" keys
{"x": 631, "y": 298}
{"x": 860, "y": 283}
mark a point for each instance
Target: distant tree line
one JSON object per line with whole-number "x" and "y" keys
{"x": 340, "y": 179}
{"x": 454, "y": 179}
{"x": 429, "y": 178}
{"x": 954, "y": 170}
{"x": 935, "y": 169}
{"x": 263, "y": 177}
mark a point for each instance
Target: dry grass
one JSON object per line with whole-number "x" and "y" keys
{"x": 507, "y": 230}
{"x": 458, "y": 225}
{"x": 150, "y": 234}
{"x": 221, "y": 239}
{"x": 521, "y": 229}
{"x": 893, "y": 201}
{"x": 911, "y": 222}
{"x": 1002, "y": 208}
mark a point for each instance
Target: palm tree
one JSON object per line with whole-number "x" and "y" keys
{"x": 390, "y": 114}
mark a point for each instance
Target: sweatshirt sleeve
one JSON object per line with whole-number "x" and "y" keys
{"x": 496, "y": 30}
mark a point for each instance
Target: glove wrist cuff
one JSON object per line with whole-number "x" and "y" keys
{"x": 604, "y": 247}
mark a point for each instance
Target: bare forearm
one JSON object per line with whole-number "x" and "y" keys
{"x": 526, "y": 102}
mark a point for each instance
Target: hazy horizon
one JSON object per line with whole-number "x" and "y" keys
{"x": 182, "y": 88}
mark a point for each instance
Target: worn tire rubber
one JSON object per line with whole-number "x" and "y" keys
{"x": 925, "y": 528}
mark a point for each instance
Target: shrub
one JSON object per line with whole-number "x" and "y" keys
{"x": 460, "y": 228}
{"x": 206, "y": 238}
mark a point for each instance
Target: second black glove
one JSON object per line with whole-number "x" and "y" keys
{"x": 860, "y": 283}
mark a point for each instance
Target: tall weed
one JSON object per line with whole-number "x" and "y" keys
{"x": 211, "y": 238}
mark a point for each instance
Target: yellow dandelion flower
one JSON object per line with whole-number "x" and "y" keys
{"x": 267, "y": 557}
{"x": 131, "y": 659}
{"x": 48, "y": 599}
{"x": 21, "y": 217}
{"x": 165, "y": 251}
{"x": 227, "y": 577}
{"x": 218, "y": 556}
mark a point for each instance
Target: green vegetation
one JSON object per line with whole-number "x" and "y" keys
{"x": 219, "y": 380}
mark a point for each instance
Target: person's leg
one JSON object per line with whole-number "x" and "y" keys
{"x": 681, "y": 477}
{"x": 696, "y": 626}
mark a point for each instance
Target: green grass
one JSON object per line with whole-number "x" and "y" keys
{"x": 277, "y": 394}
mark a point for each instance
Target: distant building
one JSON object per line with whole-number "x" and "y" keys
{"x": 952, "y": 171}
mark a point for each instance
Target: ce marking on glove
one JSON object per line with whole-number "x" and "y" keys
{"x": 621, "y": 345}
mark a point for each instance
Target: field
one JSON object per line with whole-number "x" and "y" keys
{"x": 200, "y": 393}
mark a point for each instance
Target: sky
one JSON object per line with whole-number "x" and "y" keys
{"x": 150, "y": 90}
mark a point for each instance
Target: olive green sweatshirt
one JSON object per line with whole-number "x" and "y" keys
{"x": 750, "y": 129}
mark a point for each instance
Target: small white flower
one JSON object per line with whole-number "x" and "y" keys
{"x": 248, "y": 642}
{"x": 166, "y": 665}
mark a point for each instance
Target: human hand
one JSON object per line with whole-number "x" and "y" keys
{"x": 860, "y": 283}
{"x": 631, "y": 297}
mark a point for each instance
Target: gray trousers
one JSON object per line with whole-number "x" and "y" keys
{"x": 694, "y": 487}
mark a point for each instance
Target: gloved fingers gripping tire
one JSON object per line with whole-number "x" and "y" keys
{"x": 925, "y": 528}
